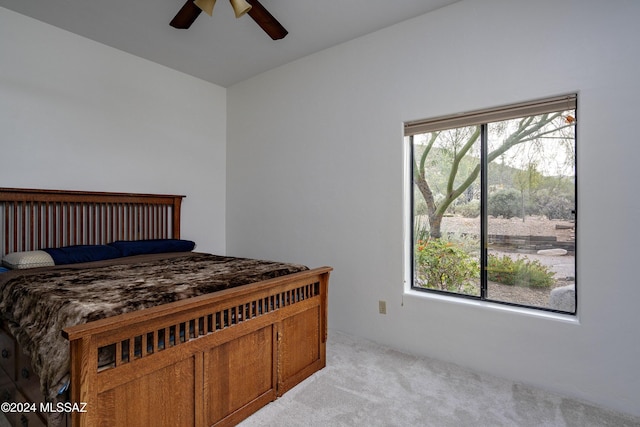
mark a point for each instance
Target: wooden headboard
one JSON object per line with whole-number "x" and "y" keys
{"x": 32, "y": 219}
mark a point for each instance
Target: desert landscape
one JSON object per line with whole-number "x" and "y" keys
{"x": 562, "y": 265}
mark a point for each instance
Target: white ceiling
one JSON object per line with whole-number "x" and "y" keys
{"x": 221, "y": 49}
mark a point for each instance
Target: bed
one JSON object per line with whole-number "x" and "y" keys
{"x": 208, "y": 358}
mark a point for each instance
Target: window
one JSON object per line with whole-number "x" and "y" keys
{"x": 504, "y": 180}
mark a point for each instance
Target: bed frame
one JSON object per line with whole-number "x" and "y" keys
{"x": 208, "y": 360}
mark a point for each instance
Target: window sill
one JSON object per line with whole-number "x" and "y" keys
{"x": 493, "y": 306}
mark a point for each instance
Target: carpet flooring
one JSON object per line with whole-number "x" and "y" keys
{"x": 366, "y": 384}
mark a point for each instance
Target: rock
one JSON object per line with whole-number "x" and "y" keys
{"x": 563, "y": 298}
{"x": 552, "y": 252}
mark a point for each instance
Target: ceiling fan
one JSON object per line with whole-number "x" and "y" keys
{"x": 192, "y": 8}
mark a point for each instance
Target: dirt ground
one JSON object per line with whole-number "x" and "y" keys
{"x": 531, "y": 226}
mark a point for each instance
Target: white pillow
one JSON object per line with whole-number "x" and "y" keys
{"x": 27, "y": 259}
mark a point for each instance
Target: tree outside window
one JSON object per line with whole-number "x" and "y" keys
{"x": 505, "y": 184}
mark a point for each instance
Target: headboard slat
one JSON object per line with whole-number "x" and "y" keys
{"x": 35, "y": 219}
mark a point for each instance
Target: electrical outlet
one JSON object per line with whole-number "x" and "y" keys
{"x": 382, "y": 307}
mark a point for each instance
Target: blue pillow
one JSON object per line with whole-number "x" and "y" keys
{"x": 82, "y": 253}
{"x": 3, "y": 270}
{"x": 154, "y": 246}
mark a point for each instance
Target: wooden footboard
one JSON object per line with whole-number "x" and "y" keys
{"x": 209, "y": 360}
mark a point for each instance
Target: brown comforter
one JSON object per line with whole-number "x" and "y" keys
{"x": 37, "y": 304}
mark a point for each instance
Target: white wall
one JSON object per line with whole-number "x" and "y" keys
{"x": 75, "y": 114}
{"x": 315, "y": 175}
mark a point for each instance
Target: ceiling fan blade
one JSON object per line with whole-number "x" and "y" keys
{"x": 186, "y": 15}
{"x": 266, "y": 21}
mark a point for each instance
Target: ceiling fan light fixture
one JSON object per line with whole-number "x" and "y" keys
{"x": 206, "y": 6}
{"x": 240, "y": 7}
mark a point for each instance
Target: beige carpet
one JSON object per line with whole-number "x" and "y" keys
{"x": 365, "y": 384}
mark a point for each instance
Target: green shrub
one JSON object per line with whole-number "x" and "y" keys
{"x": 555, "y": 206}
{"x": 506, "y": 203}
{"x": 519, "y": 272}
{"x": 470, "y": 243}
{"x": 470, "y": 209}
{"x": 445, "y": 266}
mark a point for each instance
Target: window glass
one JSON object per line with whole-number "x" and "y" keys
{"x": 446, "y": 210}
{"x": 530, "y": 208}
{"x": 507, "y": 186}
